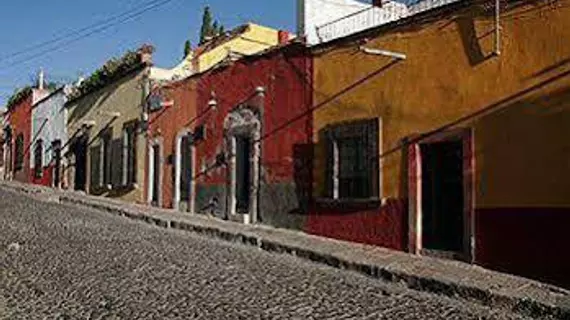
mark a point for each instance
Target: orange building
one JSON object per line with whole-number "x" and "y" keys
{"x": 170, "y": 159}
{"x": 447, "y": 136}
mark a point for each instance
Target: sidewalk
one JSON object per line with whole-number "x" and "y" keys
{"x": 452, "y": 278}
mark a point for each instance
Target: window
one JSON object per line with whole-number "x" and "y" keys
{"x": 129, "y": 155}
{"x": 352, "y": 170}
{"x": 185, "y": 167}
{"x": 19, "y": 152}
{"x": 105, "y": 159}
{"x": 38, "y": 159}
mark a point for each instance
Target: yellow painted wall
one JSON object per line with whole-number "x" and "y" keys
{"x": 257, "y": 38}
{"x": 126, "y": 97}
{"x": 522, "y": 152}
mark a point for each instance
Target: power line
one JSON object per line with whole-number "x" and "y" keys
{"x": 68, "y": 34}
{"x": 81, "y": 36}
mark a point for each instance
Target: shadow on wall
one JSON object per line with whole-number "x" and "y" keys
{"x": 303, "y": 156}
{"x": 368, "y": 222}
{"x": 471, "y": 41}
{"x": 522, "y": 224}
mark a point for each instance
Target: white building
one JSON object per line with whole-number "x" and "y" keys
{"x": 321, "y": 21}
{"x": 49, "y": 134}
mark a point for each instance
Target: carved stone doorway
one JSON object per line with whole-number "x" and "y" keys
{"x": 242, "y": 129}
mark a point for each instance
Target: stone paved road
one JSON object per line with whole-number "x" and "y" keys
{"x": 65, "y": 262}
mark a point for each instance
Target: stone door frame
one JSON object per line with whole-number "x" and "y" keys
{"x": 243, "y": 121}
{"x": 178, "y": 171}
{"x": 151, "y": 165}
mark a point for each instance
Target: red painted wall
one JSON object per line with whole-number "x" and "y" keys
{"x": 46, "y": 178}
{"x": 532, "y": 242}
{"x": 21, "y": 122}
{"x": 166, "y": 124}
{"x": 385, "y": 226}
{"x": 285, "y": 75}
{"x": 288, "y": 149}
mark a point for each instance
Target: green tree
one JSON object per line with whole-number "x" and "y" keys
{"x": 187, "y": 48}
{"x": 210, "y": 27}
{"x": 207, "y": 29}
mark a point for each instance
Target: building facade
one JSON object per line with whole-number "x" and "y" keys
{"x": 170, "y": 157}
{"x": 320, "y": 21}
{"x": 106, "y": 119}
{"x": 243, "y": 40}
{"x": 447, "y": 136}
{"x": 19, "y": 126}
{"x": 49, "y": 128}
{"x": 252, "y": 139}
{"x": 170, "y": 161}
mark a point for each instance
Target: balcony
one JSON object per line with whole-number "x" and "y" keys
{"x": 372, "y": 17}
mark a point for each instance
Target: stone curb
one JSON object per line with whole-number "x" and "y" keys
{"x": 521, "y": 305}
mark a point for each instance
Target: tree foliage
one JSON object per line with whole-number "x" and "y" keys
{"x": 110, "y": 71}
{"x": 187, "y": 48}
{"x": 210, "y": 27}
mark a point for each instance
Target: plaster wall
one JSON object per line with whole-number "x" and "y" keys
{"x": 49, "y": 124}
{"x": 167, "y": 123}
{"x": 111, "y": 108}
{"x": 254, "y": 40}
{"x": 285, "y": 75}
{"x": 516, "y": 106}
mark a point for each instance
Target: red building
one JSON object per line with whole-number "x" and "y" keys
{"x": 20, "y": 124}
{"x": 253, "y": 138}
{"x": 168, "y": 165}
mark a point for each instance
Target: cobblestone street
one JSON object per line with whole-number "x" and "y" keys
{"x": 63, "y": 262}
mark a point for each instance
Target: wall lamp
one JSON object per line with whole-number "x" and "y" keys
{"x": 213, "y": 104}
{"x": 379, "y": 52}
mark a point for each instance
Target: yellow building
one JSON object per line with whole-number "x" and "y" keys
{"x": 457, "y": 130}
{"x": 243, "y": 40}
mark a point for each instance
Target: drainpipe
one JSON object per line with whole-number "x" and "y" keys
{"x": 497, "y": 51}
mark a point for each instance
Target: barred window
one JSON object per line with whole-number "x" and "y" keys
{"x": 19, "y": 152}
{"x": 105, "y": 159}
{"x": 352, "y": 170}
{"x": 185, "y": 167}
{"x": 38, "y": 159}
{"x": 129, "y": 154}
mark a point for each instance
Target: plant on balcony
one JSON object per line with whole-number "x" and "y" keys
{"x": 113, "y": 69}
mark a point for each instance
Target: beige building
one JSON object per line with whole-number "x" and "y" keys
{"x": 106, "y": 128}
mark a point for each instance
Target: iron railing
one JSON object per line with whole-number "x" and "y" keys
{"x": 373, "y": 17}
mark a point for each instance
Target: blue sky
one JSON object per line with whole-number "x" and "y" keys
{"x": 26, "y": 23}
